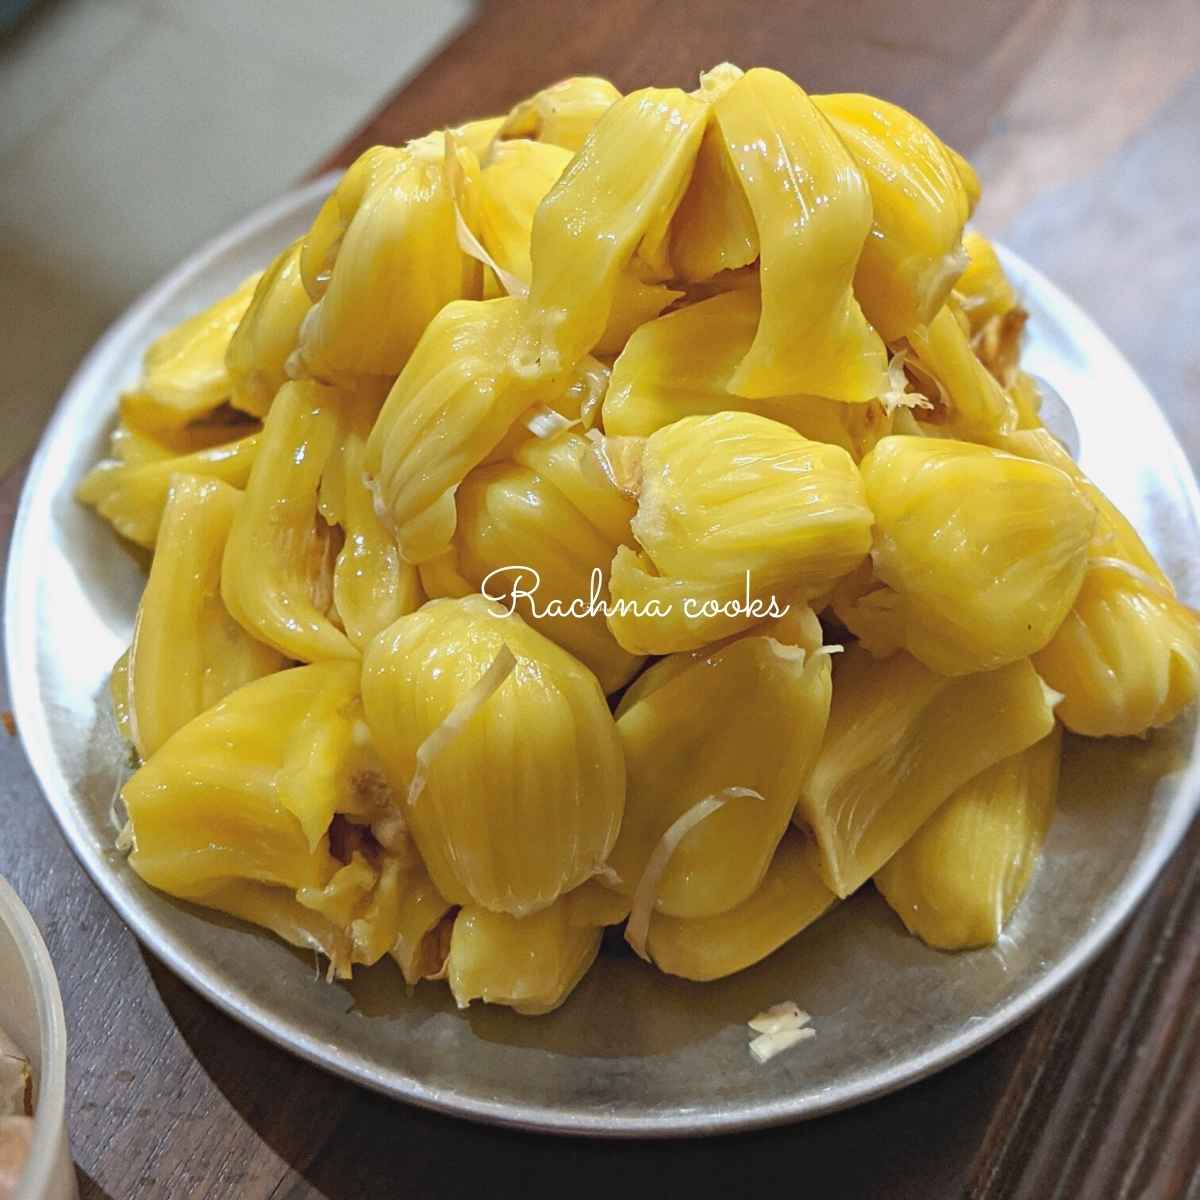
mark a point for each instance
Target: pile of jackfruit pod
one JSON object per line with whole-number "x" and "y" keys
{"x": 672, "y": 338}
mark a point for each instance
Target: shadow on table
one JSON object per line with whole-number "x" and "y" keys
{"x": 345, "y": 1143}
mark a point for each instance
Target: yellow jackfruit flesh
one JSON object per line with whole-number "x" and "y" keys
{"x": 900, "y": 740}
{"x": 1127, "y": 656}
{"x": 419, "y": 950}
{"x": 277, "y": 575}
{"x": 379, "y": 906}
{"x": 714, "y": 229}
{"x": 512, "y": 186}
{"x": 134, "y": 446}
{"x": 382, "y": 259}
{"x": 968, "y": 178}
{"x": 682, "y": 364}
{"x": 524, "y": 801}
{"x": 983, "y": 290}
{"x": 187, "y": 652}
{"x": 562, "y": 114}
{"x": 751, "y": 716}
{"x": 957, "y": 881}
{"x": 452, "y": 405}
{"x": 812, "y": 211}
{"x": 615, "y": 199}
{"x": 986, "y": 550}
{"x": 268, "y": 334}
{"x": 798, "y": 627}
{"x": 914, "y": 252}
{"x": 131, "y": 496}
{"x": 976, "y": 406}
{"x": 514, "y": 181}
{"x": 790, "y": 897}
{"x": 183, "y": 373}
{"x": 723, "y": 496}
{"x": 530, "y": 964}
{"x": 243, "y": 791}
{"x": 669, "y": 374}
{"x": 994, "y": 314}
{"x": 1113, "y": 535}
{"x": 372, "y": 585}
{"x": 520, "y": 532}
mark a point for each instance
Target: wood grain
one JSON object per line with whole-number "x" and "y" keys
{"x": 1083, "y": 118}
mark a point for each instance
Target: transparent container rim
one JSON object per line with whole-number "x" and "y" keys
{"x": 48, "y": 1123}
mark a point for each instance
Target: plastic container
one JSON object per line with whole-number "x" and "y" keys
{"x": 32, "y": 1013}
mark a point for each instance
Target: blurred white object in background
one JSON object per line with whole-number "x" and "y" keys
{"x": 133, "y": 130}
{"x": 32, "y": 1014}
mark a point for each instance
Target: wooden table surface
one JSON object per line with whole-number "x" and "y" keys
{"x": 1084, "y": 120}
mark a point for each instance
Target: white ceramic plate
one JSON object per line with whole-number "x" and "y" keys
{"x": 633, "y": 1052}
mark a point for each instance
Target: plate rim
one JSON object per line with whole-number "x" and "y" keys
{"x": 533, "y": 1115}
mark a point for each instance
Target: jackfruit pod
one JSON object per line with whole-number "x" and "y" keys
{"x": 479, "y": 136}
{"x": 188, "y": 652}
{"x": 995, "y": 317}
{"x": 451, "y": 692}
{"x": 243, "y": 791}
{"x": 957, "y": 881}
{"x": 574, "y": 403}
{"x": 987, "y": 550}
{"x": 870, "y": 610}
{"x": 569, "y": 462}
{"x": 914, "y": 253}
{"x": 592, "y": 905}
{"x": 902, "y": 739}
{"x": 183, "y": 372}
{"x": 372, "y": 585}
{"x": 277, "y": 910}
{"x": 651, "y": 613}
{"x": 798, "y": 627}
{"x": 514, "y": 181}
{"x": 382, "y": 905}
{"x": 1113, "y": 536}
{"x": 983, "y": 291}
{"x": 682, "y": 364}
{"x": 708, "y": 484}
{"x": 751, "y": 716}
{"x": 743, "y": 509}
{"x": 530, "y": 964}
{"x": 452, "y": 405}
{"x": 344, "y": 894}
{"x": 790, "y": 898}
{"x": 130, "y": 444}
{"x": 812, "y": 211}
{"x": 383, "y": 258}
{"x": 562, "y": 114}
{"x": 619, "y": 192}
{"x": 421, "y": 945}
{"x": 131, "y": 496}
{"x": 968, "y": 178}
{"x": 268, "y": 334}
{"x": 1127, "y": 657}
{"x": 524, "y": 542}
{"x": 974, "y": 405}
{"x": 441, "y": 579}
{"x": 1027, "y": 399}
{"x": 714, "y": 229}
{"x": 277, "y": 575}
{"x": 634, "y": 303}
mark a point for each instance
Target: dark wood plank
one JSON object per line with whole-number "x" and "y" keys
{"x": 1083, "y": 118}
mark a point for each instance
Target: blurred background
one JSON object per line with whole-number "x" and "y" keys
{"x": 133, "y": 130}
